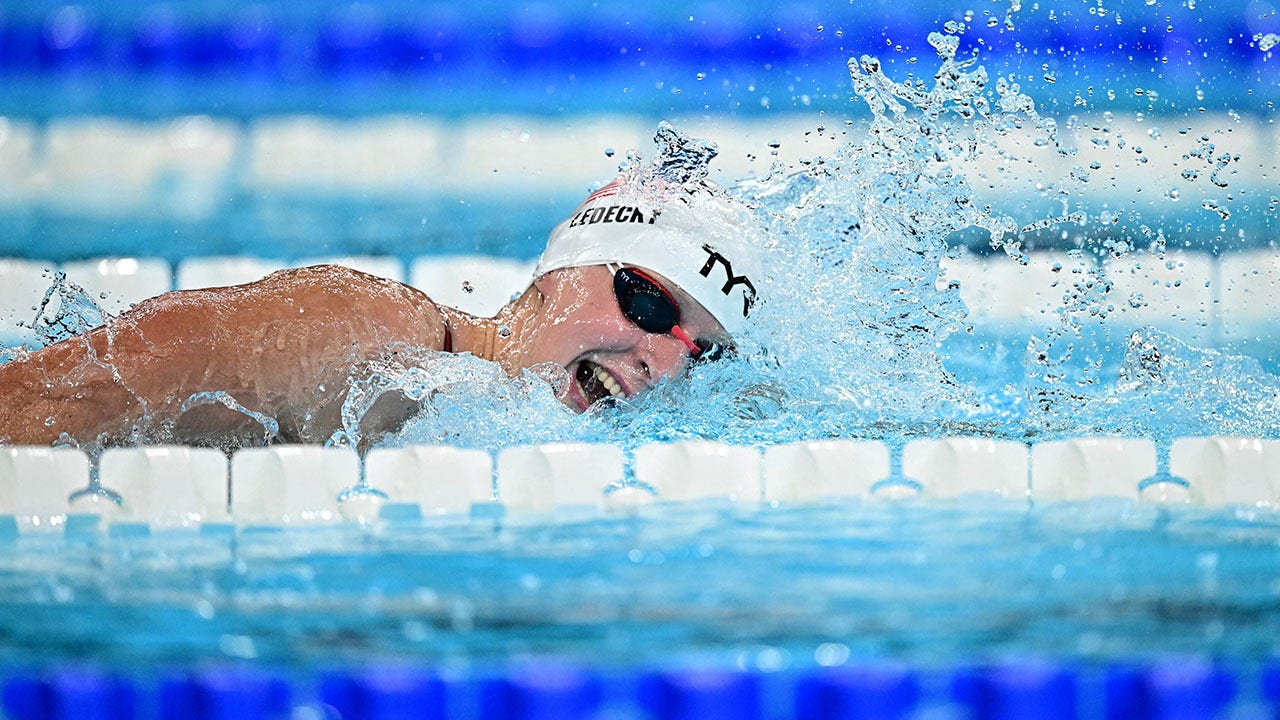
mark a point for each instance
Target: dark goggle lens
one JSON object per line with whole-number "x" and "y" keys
{"x": 644, "y": 302}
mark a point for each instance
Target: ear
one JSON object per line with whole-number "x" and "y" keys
{"x": 543, "y": 283}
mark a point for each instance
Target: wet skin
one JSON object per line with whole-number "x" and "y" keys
{"x": 289, "y": 346}
{"x": 574, "y": 321}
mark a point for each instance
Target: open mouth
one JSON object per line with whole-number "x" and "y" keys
{"x": 597, "y": 383}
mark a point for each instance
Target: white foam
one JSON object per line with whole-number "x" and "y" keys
{"x": 167, "y": 486}
{"x": 440, "y": 480}
{"x": 291, "y": 484}
{"x": 474, "y": 284}
{"x": 1228, "y": 470}
{"x": 36, "y": 484}
{"x": 1081, "y": 468}
{"x": 557, "y": 476}
{"x": 699, "y": 469}
{"x": 824, "y": 469}
{"x": 950, "y": 467}
{"x": 18, "y": 164}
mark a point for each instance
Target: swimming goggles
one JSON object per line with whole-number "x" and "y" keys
{"x": 652, "y": 308}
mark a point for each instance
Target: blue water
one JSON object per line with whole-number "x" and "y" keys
{"x": 932, "y": 583}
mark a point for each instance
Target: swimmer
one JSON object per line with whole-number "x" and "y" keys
{"x": 624, "y": 296}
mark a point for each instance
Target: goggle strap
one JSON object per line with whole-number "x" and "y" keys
{"x": 683, "y": 337}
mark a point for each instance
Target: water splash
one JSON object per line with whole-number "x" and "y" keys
{"x": 468, "y": 402}
{"x": 851, "y": 339}
{"x": 270, "y": 427}
{"x": 67, "y": 310}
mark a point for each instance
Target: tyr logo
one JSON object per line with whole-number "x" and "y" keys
{"x": 748, "y": 294}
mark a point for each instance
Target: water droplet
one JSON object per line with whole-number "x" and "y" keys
{"x": 467, "y": 287}
{"x": 49, "y": 421}
{"x": 700, "y": 76}
{"x": 504, "y": 331}
{"x": 608, "y": 152}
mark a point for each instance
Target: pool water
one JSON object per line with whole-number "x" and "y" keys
{"x": 933, "y": 583}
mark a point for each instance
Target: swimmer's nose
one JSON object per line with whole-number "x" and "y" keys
{"x": 663, "y": 354}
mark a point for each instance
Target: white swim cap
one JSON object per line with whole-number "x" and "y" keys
{"x": 698, "y": 240}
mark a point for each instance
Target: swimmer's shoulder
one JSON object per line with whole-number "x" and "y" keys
{"x": 392, "y": 303}
{"x": 335, "y": 291}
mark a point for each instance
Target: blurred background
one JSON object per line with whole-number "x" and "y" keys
{"x": 392, "y": 128}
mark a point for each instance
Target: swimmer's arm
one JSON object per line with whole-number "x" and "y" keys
{"x": 283, "y": 346}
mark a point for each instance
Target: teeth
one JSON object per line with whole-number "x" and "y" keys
{"x": 609, "y": 383}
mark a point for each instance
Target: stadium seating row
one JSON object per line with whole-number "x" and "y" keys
{"x": 188, "y": 167}
{"x": 1201, "y": 298}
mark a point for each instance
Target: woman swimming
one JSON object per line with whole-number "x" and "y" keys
{"x": 630, "y": 289}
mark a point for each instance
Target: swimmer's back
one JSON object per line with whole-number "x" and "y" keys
{"x": 286, "y": 346}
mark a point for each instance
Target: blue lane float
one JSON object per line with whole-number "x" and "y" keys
{"x": 225, "y": 694}
{"x": 384, "y": 694}
{"x": 482, "y": 54}
{"x": 1167, "y": 689}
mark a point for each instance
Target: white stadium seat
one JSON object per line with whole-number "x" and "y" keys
{"x": 116, "y": 284}
{"x": 23, "y": 284}
{"x": 1173, "y": 292}
{"x": 474, "y": 284}
{"x": 208, "y": 272}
